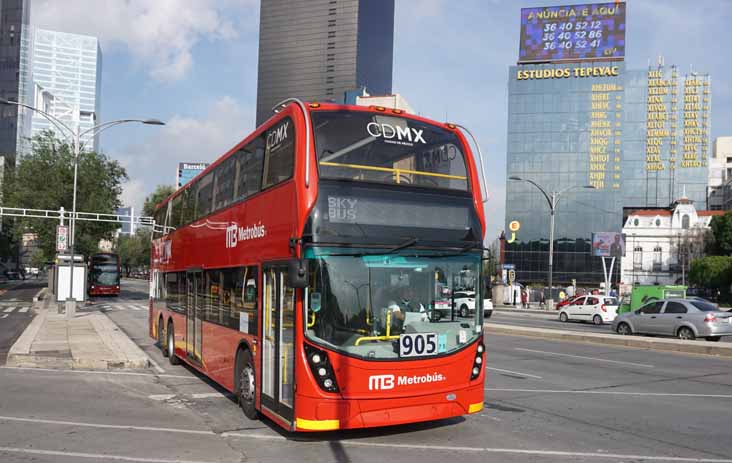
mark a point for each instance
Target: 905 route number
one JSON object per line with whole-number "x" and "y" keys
{"x": 417, "y": 344}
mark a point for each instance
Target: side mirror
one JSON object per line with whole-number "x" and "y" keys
{"x": 297, "y": 273}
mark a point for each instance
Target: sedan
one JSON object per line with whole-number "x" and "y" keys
{"x": 597, "y": 309}
{"x": 684, "y": 318}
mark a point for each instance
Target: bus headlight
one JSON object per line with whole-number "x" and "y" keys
{"x": 478, "y": 362}
{"x": 321, "y": 368}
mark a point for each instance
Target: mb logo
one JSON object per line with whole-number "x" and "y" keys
{"x": 231, "y": 236}
{"x": 381, "y": 382}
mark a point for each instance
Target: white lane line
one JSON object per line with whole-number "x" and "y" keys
{"x": 161, "y": 397}
{"x": 4, "y": 315}
{"x": 583, "y": 357}
{"x": 9, "y": 309}
{"x": 513, "y": 372}
{"x": 121, "y": 373}
{"x": 96, "y": 456}
{"x": 134, "y": 307}
{"x": 209, "y": 395}
{"x": 625, "y": 393}
{"x": 355, "y": 443}
{"x": 106, "y": 426}
{"x": 25, "y": 309}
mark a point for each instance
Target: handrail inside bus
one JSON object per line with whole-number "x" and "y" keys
{"x": 392, "y": 170}
{"x": 279, "y": 107}
{"x": 480, "y": 156}
{"x": 387, "y": 337}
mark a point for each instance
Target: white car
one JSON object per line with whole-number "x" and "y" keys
{"x": 465, "y": 304}
{"x": 597, "y": 309}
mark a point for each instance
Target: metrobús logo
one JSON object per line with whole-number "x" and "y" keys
{"x": 396, "y": 134}
{"x": 235, "y": 233}
{"x": 384, "y": 382}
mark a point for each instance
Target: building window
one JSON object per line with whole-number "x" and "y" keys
{"x": 637, "y": 258}
{"x": 685, "y": 221}
{"x": 657, "y": 259}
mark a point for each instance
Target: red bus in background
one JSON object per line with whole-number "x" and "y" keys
{"x": 302, "y": 270}
{"x": 103, "y": 274}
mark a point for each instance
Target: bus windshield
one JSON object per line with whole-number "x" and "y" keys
{"x": 383, "y": 148}
{"x": 361, "y": 303}
{"x": 104, "y": 274}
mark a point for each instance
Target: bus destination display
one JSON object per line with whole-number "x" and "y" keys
{"x": 575, "y": 32}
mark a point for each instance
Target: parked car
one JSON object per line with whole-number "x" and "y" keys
{"x": 595, "y": 308}
{"x": 465, "y": 304}
{"x": 487, "y": 308}
{"x": 683, "y": 318}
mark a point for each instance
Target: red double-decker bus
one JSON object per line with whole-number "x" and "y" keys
{"x": 103, "y": 274}
{"x": 309, "y": 270}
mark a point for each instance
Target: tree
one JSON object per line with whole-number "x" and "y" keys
{"x": 714, "y": 272}
{"x": 721, "y": 243}
{"x": 44, "y": 180}
{"x": 134, "y": 250}
{"x": 156, "y": 197}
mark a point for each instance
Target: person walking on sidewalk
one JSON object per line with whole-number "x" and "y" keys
{"x": 524, "y": 299}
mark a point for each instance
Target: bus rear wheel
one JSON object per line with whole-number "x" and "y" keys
{"x": 171, "y": 346}
{"x": 245, "y": 384}
{"x": 161, "y": 338}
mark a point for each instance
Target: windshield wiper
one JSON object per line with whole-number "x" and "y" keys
{"x": 407, "y": 244}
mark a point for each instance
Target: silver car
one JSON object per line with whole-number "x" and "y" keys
{"x": 684, "y": 318}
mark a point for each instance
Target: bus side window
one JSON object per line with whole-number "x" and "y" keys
{"x": 204, "y": 196}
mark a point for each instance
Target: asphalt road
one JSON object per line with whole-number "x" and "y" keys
{"x": 546, "y": 401}
{"x": 16, "y": 299}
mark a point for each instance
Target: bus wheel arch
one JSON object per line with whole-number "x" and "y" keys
{"x": 245, "y": 381}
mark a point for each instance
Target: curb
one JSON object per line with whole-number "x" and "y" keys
{"x": 40, "y": 295}
{"x": 506, "y": 309}
{"x": 658, "y": 344}
{"x": 117, "y": 341}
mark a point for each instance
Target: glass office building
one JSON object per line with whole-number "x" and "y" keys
{"x": 639, "y": 137}
{"x": 317, "y": 50}
{"x": 66, "y": 82}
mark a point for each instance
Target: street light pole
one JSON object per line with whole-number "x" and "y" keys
{"x": 74, "y": 136}
{"x": 552, "y": 199}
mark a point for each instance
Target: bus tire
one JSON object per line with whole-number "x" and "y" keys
{"x": 171, "y": 345}
{"x": 161, "y": 338}
{"x": 245, "y": 384}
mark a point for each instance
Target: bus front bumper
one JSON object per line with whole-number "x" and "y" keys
{"x": 327, "y": 415}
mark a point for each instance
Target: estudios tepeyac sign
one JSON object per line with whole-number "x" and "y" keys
{"x": 62, "y": 242}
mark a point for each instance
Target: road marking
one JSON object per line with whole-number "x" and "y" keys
{"x": 134, "y": 307}
{"x": 106, "y": 426}
{"x": 123, "y": 373}
{"x": 353, "y": 443}
{"x": 656, "y": 394}
{"x": 4, "y": 316}
{"x": 161, "y": 397}
{"x": 209, "y": 395}
{"x": 583, "y": 357}
{"x": 513, "y": 372}
{"x": 9, "y": 309}
{"x": 96, "y": 456}
{"x": 25, "y": 309}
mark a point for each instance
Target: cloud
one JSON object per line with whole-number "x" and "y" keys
{"x": 183, "y": 139}
{"x": 160, "y": 34}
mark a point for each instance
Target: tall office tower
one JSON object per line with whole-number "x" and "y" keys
{"x": 14, "y": 20}
{"x": 66, "y": 82}
{"x": 316, "y": 50}
{"x": 578, "y": 117}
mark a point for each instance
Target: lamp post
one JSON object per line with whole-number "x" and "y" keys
{"x": 74, "y": 136}
{"x": 552, "y": 198}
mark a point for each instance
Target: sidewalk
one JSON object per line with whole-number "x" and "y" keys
{"x": 90, "y": 340}
{"x": 518, "y": 309}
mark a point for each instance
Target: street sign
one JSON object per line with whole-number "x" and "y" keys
{"x": 511, "y": 276}
{"x": 509, "y": 266}
{"x": 514, "y": 226}
{"x": 62, "y": 238}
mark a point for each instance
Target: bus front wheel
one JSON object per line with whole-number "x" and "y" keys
{"x": 245, "y": 384}
{"x": 171, "y": 346}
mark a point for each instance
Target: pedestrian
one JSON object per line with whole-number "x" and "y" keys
{"x": 524, "y": 299}
{"x": 542, "y": 300}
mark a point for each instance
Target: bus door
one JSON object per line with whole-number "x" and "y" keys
{"x": 278, "y": 347}
{"x": 194, "y": 312}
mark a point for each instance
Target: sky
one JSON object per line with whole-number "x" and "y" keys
{"x": 193, "y": 64}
